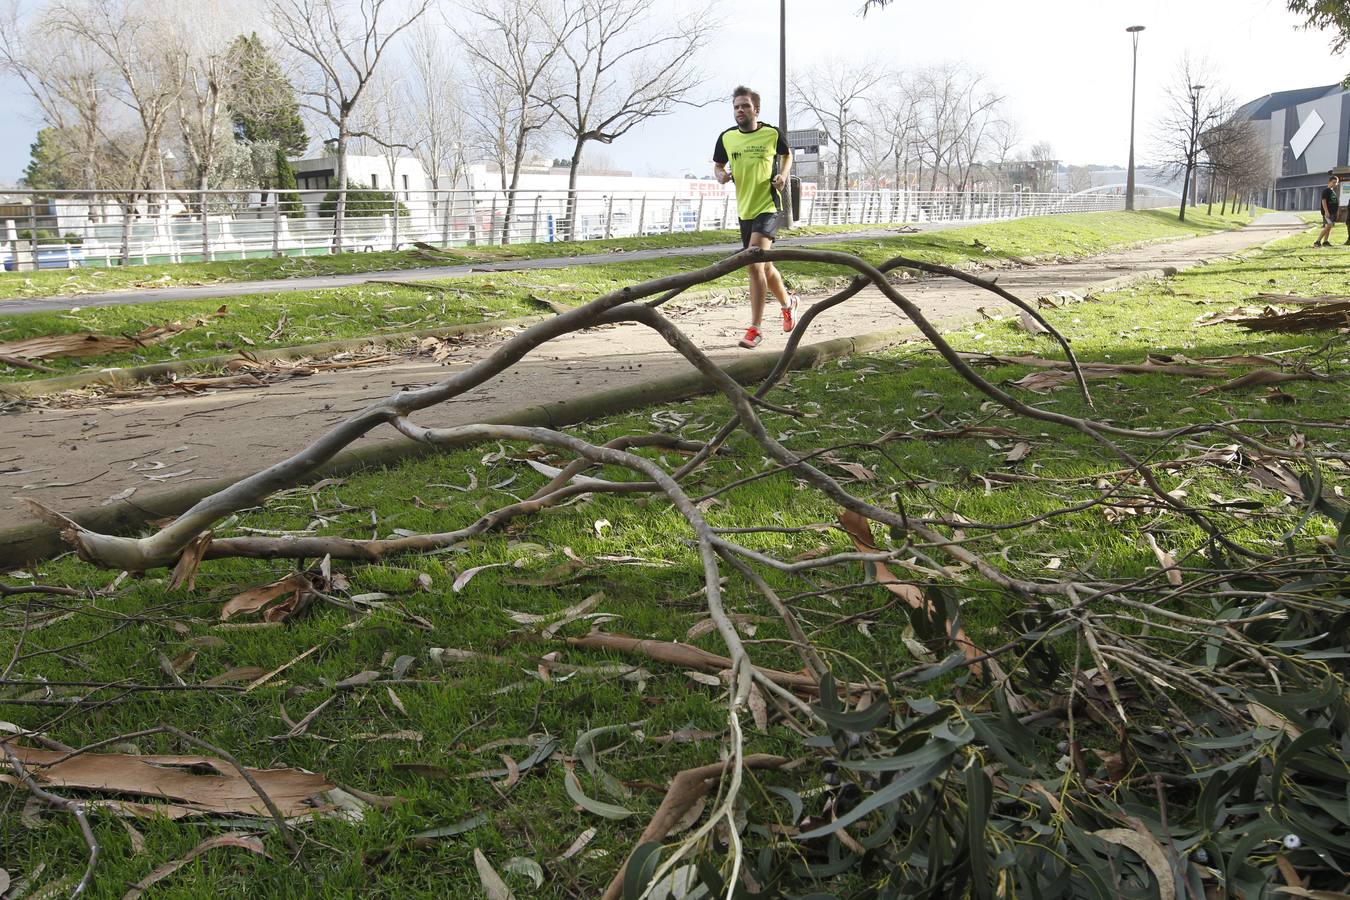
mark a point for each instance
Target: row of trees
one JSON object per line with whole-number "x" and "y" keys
{"x": 935, "y": 126}
{"x": 123, "y": 85}
{"x": 1200, "y": 134}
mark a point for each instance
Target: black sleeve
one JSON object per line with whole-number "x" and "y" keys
{"x": 720, "y": 151}
{"x": 782, "y": 149}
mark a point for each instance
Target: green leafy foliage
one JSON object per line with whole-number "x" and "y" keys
{"x": 362, "y": 203}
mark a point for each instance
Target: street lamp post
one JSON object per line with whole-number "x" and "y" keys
{"x": 1133, "y": 31}
{"x": 782, "y": 96}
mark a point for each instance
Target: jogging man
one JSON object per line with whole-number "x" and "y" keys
{"x": 759, "y": 160}
{"x": 1330, "y": 205}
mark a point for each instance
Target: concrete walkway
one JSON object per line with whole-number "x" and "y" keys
{"x": 124, "y": 451}
{"x": 322, "y": 282}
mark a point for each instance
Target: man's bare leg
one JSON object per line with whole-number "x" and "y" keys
{"x": 772, "y": 279}
{"x": 756, "y": 294}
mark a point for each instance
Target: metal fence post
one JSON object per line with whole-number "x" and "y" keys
{"x": 534, "y": 224}
{"x": 492, "y": 222}
{"x": 206, "y": 226}
{"x": 609, "y": 217}
{"x": 276, "y": 225}
{"x": 32, "y": 232}
{"x": 642, "y": 215}
{"x": 447, "y": 204}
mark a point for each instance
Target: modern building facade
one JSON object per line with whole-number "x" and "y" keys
{"x": 1307, "y": 133}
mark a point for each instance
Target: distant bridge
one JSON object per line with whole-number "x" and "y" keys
{"x": 1121, "y": 185}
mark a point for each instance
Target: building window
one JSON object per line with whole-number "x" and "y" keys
{"x": 375, "y": 182}
{"x": 405, "y": 183}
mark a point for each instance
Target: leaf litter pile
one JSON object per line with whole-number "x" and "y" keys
{"x": 834, "y": 673}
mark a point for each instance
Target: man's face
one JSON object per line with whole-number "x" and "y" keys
{"x": 743, "y": 109}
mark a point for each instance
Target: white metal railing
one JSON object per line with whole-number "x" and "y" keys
{"x": 59, "y": 229}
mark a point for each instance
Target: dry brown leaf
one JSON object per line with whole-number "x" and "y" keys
{"x": 1260, "y": 378}
{"x": 185, "y": 572}
{"x": 238, "y": 673}
{"x": 176, "y": 778}
{"x": 1166, "y": 560}
{"x": 1019, "y": 452}
{"x": 1150, "y": 851}
{"x": 260, "y": 598}
{"x": 860, "y": 530}
{"x": 243, "y": 841}
{"x": 493, "y": 885}
{"x": 57, "y": 346}
{"x": 1030, "y": 324}
{"x": 1040, "y": 382}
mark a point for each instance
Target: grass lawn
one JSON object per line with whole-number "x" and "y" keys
{"x": 634, "y": 550}
{"x": 301, "y": 317}
{"x": 80, "y": 281}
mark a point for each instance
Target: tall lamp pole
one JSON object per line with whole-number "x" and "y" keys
{"x": 782, "y": 95}
{"x": 1133, "y": 31}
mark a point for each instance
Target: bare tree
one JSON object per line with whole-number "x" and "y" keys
{"x": 340, "y": 44}
{"x": 954, "y": 113}
{"x": 1042, "y": 165}
{"x": 617, "y": 70}
{"x": 1193, "y": 105}
{"x": 137, "y": 44}
{"x": 1237, "y": 160}
{"x": 202, "y": 35}
{"x": 514, "y": 56}
{"x": 1080, "y": 179}
{"x": 68, "y": 78}
{"x": 837, "y": 95}
{"x": 381, "y": 128}
{"x": 895, "y": 119}
{"x": 438, "y": 130}
{"x": 1003, "y": 137}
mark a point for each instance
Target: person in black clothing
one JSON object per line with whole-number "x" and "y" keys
{"x": 1330, "y": 205}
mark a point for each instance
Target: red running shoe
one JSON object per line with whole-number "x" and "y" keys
{"x": 790, "y": 313}
{"x": 752, "y": 338}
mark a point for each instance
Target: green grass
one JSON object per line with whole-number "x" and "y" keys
{"x": 67, "y": 282}
{"x": 256, "y": 322}
{"x": 907, "y": 390}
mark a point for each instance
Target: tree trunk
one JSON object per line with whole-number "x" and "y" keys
{"x": 340, "y": 208}
{"x": 569, "y": 227}
{"x": 511, "y": 191}
{"x": 1185, "y": 188}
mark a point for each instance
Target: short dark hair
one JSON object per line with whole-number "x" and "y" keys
{"x": 743, "y": 91}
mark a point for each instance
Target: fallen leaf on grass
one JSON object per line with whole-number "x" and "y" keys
{"x": 295, "y": 587}
{"x": 238, "y": 673}
{"x": 1260, "y": 378}
{"x": 463, "y": 578}
{"x": 493, "y": 885}
{"x": 1019, "y": 452}
{"x": 1041, "y": 382}
{"x": 1166, "y": 560}
{"x": 244, "y": 842}
{"x": 857, "y": 470}
{"x": 1030, "y": 324}
{"x": 590, "y": 804}
{"x": 223, "y": 791}
{"x": 579, "y": 844}
{"x": 523, "y": 865}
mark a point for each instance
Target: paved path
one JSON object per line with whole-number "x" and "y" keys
{"x": 321, "y": 282}
{"x": 79, "y": 458}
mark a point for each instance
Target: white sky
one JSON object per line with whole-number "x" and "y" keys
{"x": 1063, "y": 64}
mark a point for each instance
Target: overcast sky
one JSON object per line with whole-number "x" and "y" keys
{"x": 1063, "y": 64}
